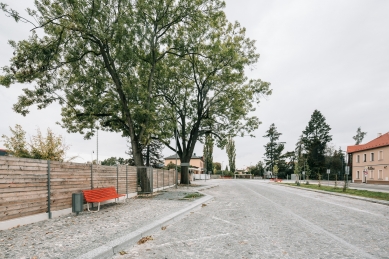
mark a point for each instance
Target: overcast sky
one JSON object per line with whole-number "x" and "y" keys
{"x": 330, "y": 55}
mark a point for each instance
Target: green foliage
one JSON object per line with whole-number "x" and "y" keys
{"x": 273, "y": 149}
{"x": 116, "y": 161}
{"x": 51, "y": 147}
{"x": 359, "y": 136}
{"x": 217, "y": 166}
{"x": 99, "y": 60}
{"x": 17, "y": 144}
{"x": 258, "y": 169}
{"x": 208, "y": 153}
{"x": 314, "y": 140}
{"x": 207, "y": 91}
{"x": 275, "y": 170}
{"x": 173, "y": 166}
{"x": 231, "y": 153}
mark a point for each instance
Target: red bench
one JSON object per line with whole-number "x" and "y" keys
{"x": 100, "y": 195}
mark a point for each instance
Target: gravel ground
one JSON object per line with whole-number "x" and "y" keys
{"x": 255, "y": 219}
{"x": 71, "y": 235}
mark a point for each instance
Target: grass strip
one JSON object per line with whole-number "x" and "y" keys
{"x": 362, "y": 193}
{"x": 193, "y": 195}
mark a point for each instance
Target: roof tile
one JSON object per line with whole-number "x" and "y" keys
{"x": 380, "y": 141}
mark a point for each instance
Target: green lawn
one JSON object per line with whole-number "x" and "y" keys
{"x": 362, "y": 193}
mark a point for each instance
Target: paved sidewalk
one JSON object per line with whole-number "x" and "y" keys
{"x": 90, "y": 234}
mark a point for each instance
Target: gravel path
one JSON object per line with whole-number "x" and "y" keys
{"x": 254, "y": 219}
{"x": 71, "y": 236}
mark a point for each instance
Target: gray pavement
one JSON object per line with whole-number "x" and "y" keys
{"x": 258, "y": 219}
{"x": 90, "y": 234}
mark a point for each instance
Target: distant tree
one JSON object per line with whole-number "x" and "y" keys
{"x": 171, "y": 165}
{"x": 258, "y": 169}
{"x": 49, "y": 147}
{"x": 307, "y": 171}
{"x": 359, "y": 136}
{"x": 231, "y": 153}
{"x": 17, "y": 144}
{"x": 275, "y": 170}
{"x": 315, "y": 138}
{"x": 273, "y": 149}
{"x": 116, "y": 161}
{"x": 217, "y": 166}
{"x": 297, "y": 171}
{"x": 208, "y": 153}
{"x": 289, "y": 159}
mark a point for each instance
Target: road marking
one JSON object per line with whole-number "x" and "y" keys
{"x": 189, "y": 240}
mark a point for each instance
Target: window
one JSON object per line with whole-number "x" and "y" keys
{"x": 371, "y": 156}
{"x": 380, "y": 155}
{"x": 357, "y": 174}
{"x": 364, "y": 157}
{"x": 357, "y": 158}
{"x": 380, "y": 176}
{"x": 371, "y": 174}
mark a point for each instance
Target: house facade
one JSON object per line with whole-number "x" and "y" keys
{"x": 196, "y": 163}
{"x": 370, "y": 161}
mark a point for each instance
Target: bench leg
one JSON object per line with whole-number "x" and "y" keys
{"x": 98, "y": 207}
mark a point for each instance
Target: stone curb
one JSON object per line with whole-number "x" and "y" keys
{"x": 109, "y": 249}
{"x": 342, "y": 195}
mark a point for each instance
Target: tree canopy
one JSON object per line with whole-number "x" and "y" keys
{"x": 98, "y": 59}
{"x": 273, "y": 149}
{"x": 139, "y": 68}
{"x": 314, "y": 139}
{"x": 231, "y": 154}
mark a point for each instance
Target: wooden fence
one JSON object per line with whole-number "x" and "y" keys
{"x": 31, "y": 186}
{"x": 162, "y": 178}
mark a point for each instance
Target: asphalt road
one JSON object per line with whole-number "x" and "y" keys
{"x": 254, "y": 219}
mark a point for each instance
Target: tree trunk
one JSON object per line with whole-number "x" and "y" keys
{"x": 185, "y": 175}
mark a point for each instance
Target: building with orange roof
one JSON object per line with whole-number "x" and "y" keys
{"x": 370, "y": 161}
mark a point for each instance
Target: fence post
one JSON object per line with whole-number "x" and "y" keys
{"x": 48, "y": 189}
{"x": 127, "y": 181}
{"x": 168, "y": 180}
{"x": 163, "y": 178}
{"x": 91, "y": 176}
{"x": 117, "y": 178}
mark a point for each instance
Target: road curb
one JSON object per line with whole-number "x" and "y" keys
{"x": 341, "y": 195}
{"x": 108, "y": 250}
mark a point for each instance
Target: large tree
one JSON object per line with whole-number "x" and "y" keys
{"x": 98, "y": 59}
{"x": 315, "y": 138}
{"x": 231, "y": 153}
{"x": 273, "y": 149}
{"x": 359, "y": 136}
{"x": 207, "y": 90}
